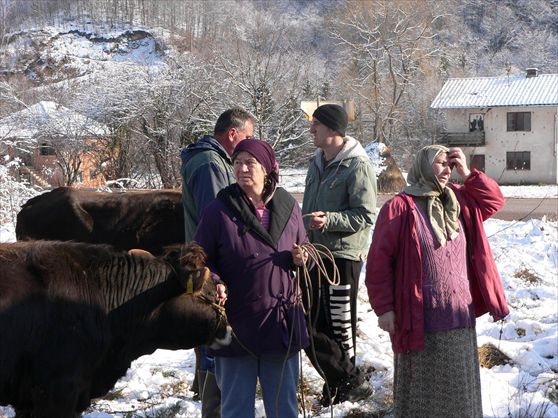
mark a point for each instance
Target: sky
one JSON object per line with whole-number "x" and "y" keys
{"x": 526, "y": 254}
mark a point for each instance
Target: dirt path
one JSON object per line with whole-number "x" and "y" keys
{"x": 514, "y": 209}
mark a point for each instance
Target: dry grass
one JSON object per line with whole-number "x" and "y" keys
{"x": 552, "y": 392}
{"x": 527, "y": 276}
{"x": 357, "y": 413}
{"x": 310, "y": 394}
{"x": 490, "y": 356}
{"x": 178, "y": 388}
{"x": 114, "y": 394}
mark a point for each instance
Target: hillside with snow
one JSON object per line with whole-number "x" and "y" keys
{"x": 53, "y": 54}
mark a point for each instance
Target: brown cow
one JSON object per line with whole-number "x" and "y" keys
{"x": 73, "y": 316}
{"x": 149, "y": 220}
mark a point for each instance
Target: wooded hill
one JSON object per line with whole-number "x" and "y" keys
{"x": 158, "y": 73}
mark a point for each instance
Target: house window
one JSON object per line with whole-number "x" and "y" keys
{"x": 518, "y": 160}
{"x": 476, "y": 122}
{"x": 477, "y": 161}
{"x": 519, "y": 121}
{"x": 45, "y": 149}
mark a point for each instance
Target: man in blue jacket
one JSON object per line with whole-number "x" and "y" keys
{"x": 206, "y": 169}
{"x": 207, "y": 166}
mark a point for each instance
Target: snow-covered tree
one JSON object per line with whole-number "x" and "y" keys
{"x": 267, "y": 74}
{"x": 153, "y": 112}
{"x": 387, "y": 46}
{"x": 13, "y": 193}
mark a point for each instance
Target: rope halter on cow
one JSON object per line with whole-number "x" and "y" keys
{"x": 193, "y": 254}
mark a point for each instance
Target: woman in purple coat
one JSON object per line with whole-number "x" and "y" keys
{"x": 251, "y": 233}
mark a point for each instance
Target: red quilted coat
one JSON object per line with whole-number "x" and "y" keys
{"x": 394, "y": 266}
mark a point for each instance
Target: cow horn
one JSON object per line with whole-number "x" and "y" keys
{"x": 141, "y": 253}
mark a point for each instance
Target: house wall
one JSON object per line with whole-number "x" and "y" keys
{"x": 458, "y": 119}
{"x": 91, "y": 177}
{"x": 46, "y": 166}
{"x": 541, "y": 142}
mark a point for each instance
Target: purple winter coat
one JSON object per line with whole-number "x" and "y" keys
{"x": 257, "y": 267}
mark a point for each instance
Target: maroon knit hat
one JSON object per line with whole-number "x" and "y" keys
{"x": 261, "y": 151}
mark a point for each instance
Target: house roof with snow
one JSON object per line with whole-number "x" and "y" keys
{"x": 482, "y": 92}
{"x": 48, "y": 118}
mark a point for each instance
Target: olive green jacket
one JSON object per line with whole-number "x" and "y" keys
{"x": 345, "y": 189}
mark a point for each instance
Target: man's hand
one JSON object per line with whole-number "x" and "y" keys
{"x": 387, "y": 322}
{"x": 318, "y": 220}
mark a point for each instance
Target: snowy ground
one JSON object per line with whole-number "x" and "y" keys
{"x": 527, "y": 257}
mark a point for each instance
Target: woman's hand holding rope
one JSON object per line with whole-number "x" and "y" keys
{"x": 300, "y": 256}
{"x": 221, "y": 294}
{"x": 313, "y": 254}
{"x": 316, "y": 253}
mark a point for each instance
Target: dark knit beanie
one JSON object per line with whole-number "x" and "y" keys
{"x": 333, "y": 116}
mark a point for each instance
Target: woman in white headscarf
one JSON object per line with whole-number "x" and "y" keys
{"x": 430, "y": 272}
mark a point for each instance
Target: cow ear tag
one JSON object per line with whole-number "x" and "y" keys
{"x": 190, "y": 284}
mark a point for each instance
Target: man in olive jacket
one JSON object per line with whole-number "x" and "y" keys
{"x": 339, "y": 205}
{"x": 206, "y": 169}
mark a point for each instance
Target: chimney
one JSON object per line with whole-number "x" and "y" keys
{"x": 532, "y": 72}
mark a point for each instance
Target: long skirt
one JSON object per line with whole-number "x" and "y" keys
{"x": 443, "y": 380}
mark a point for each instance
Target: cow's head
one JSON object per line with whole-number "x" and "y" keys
{"x": 195, "y": 278}
{"x": 191, "y": 259}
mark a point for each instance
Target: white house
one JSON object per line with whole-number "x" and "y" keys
{"x": 507, "y": 126}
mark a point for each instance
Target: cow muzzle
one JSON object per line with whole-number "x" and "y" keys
{"x": 223, "y": 331}
{"x": 222, "y": 342}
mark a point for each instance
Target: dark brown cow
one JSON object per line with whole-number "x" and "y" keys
{"x": 149, "y": 220}
{"x": 73, "y": 316}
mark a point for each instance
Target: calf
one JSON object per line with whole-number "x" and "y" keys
{"x": 74, "y": 316}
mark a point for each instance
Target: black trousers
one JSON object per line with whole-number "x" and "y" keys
{"x": 332, "y": 317}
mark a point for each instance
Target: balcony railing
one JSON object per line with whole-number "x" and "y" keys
{"x": 462, "y": 139}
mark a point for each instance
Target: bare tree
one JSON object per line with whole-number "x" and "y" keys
{"x": 13, "y": 194}
{"x": 389, "y": 56}
{"x": 265, "y": 70}
{"x": 387, "y": 46}
{"x": 72, "y": 137}
{"x": 153, "y": 112}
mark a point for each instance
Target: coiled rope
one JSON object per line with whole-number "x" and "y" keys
{"x": 317, "y": 253}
